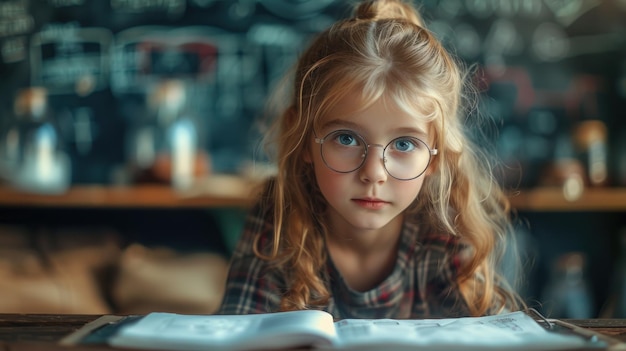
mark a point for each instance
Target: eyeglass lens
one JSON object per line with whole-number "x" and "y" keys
{"x": 404, "y": 158}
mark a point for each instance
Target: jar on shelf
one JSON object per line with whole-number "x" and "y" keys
{"x": 32, "y": 154}
{"x": 568, "y": 293}
{"x": 165, "y": 145}
{"x": 591, "y": 141}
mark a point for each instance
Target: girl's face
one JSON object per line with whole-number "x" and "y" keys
{"x": 368, "y": 198}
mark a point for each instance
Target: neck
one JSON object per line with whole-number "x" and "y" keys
{"x": 364, "y": 257}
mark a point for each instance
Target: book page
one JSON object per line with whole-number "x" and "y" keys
{"x": 168, "y": 331}
{"x": 512, "y": 331}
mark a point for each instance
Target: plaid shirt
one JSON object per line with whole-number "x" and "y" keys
{"x": 422, "y": 284}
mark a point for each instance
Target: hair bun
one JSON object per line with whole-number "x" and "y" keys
{"x": 388, "y": 9}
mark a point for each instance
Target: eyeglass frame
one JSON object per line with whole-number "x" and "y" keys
{"x": 431, "y": 152}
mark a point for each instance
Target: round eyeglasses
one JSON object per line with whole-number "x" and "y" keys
{"x": 404, "y": 158}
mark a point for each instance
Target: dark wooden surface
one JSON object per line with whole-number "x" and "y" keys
{"x": 39, "y": 331}
{"x": 34, "y": 332}
{"x": 615, "y": 328}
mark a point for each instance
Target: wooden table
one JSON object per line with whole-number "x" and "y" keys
{"x": 39, "y": 331}
{"x": 34, "y": 332}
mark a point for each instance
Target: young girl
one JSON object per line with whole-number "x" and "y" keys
{"x": 381, "y": 207}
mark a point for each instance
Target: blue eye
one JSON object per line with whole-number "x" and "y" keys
{"x": 347, "y": 139}
{"x": 405, "y": 144}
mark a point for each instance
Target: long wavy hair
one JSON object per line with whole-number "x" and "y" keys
{"x": 385, "y": 51}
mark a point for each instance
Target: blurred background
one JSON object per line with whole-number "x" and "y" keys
{"x": 129, "y": 141}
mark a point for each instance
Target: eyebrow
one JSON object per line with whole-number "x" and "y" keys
{"x": 337, "y": 123}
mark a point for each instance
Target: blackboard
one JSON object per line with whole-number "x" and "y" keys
{"x": 542, "y": 66}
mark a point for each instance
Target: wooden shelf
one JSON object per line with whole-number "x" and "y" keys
{"x": 216, "y": 191}
{"x": 231, "y": 191}
{"x": 547, "y": 199}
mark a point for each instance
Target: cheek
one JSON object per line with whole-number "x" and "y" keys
{"x": 330, "y": 183}
{"x": 326, "y": 178}
{"x": 409, "y": 190}
{"x": 432, "y": 168}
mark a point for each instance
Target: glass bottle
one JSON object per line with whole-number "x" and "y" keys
{"x": 32, "y": 155}
{"x": 165, "y": 144}
{"x": 568, "y": 294}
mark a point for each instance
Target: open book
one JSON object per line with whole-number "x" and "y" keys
{"x": 316, "y": 329}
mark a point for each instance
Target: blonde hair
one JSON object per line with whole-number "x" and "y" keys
{"x": 385, "y": 52}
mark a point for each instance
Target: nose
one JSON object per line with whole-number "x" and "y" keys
{"x": 373, "y": 168}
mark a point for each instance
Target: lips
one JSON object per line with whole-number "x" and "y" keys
{"x": 370, "y": 203}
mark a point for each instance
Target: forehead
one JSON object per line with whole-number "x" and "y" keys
{"x": 382, "y": 115}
